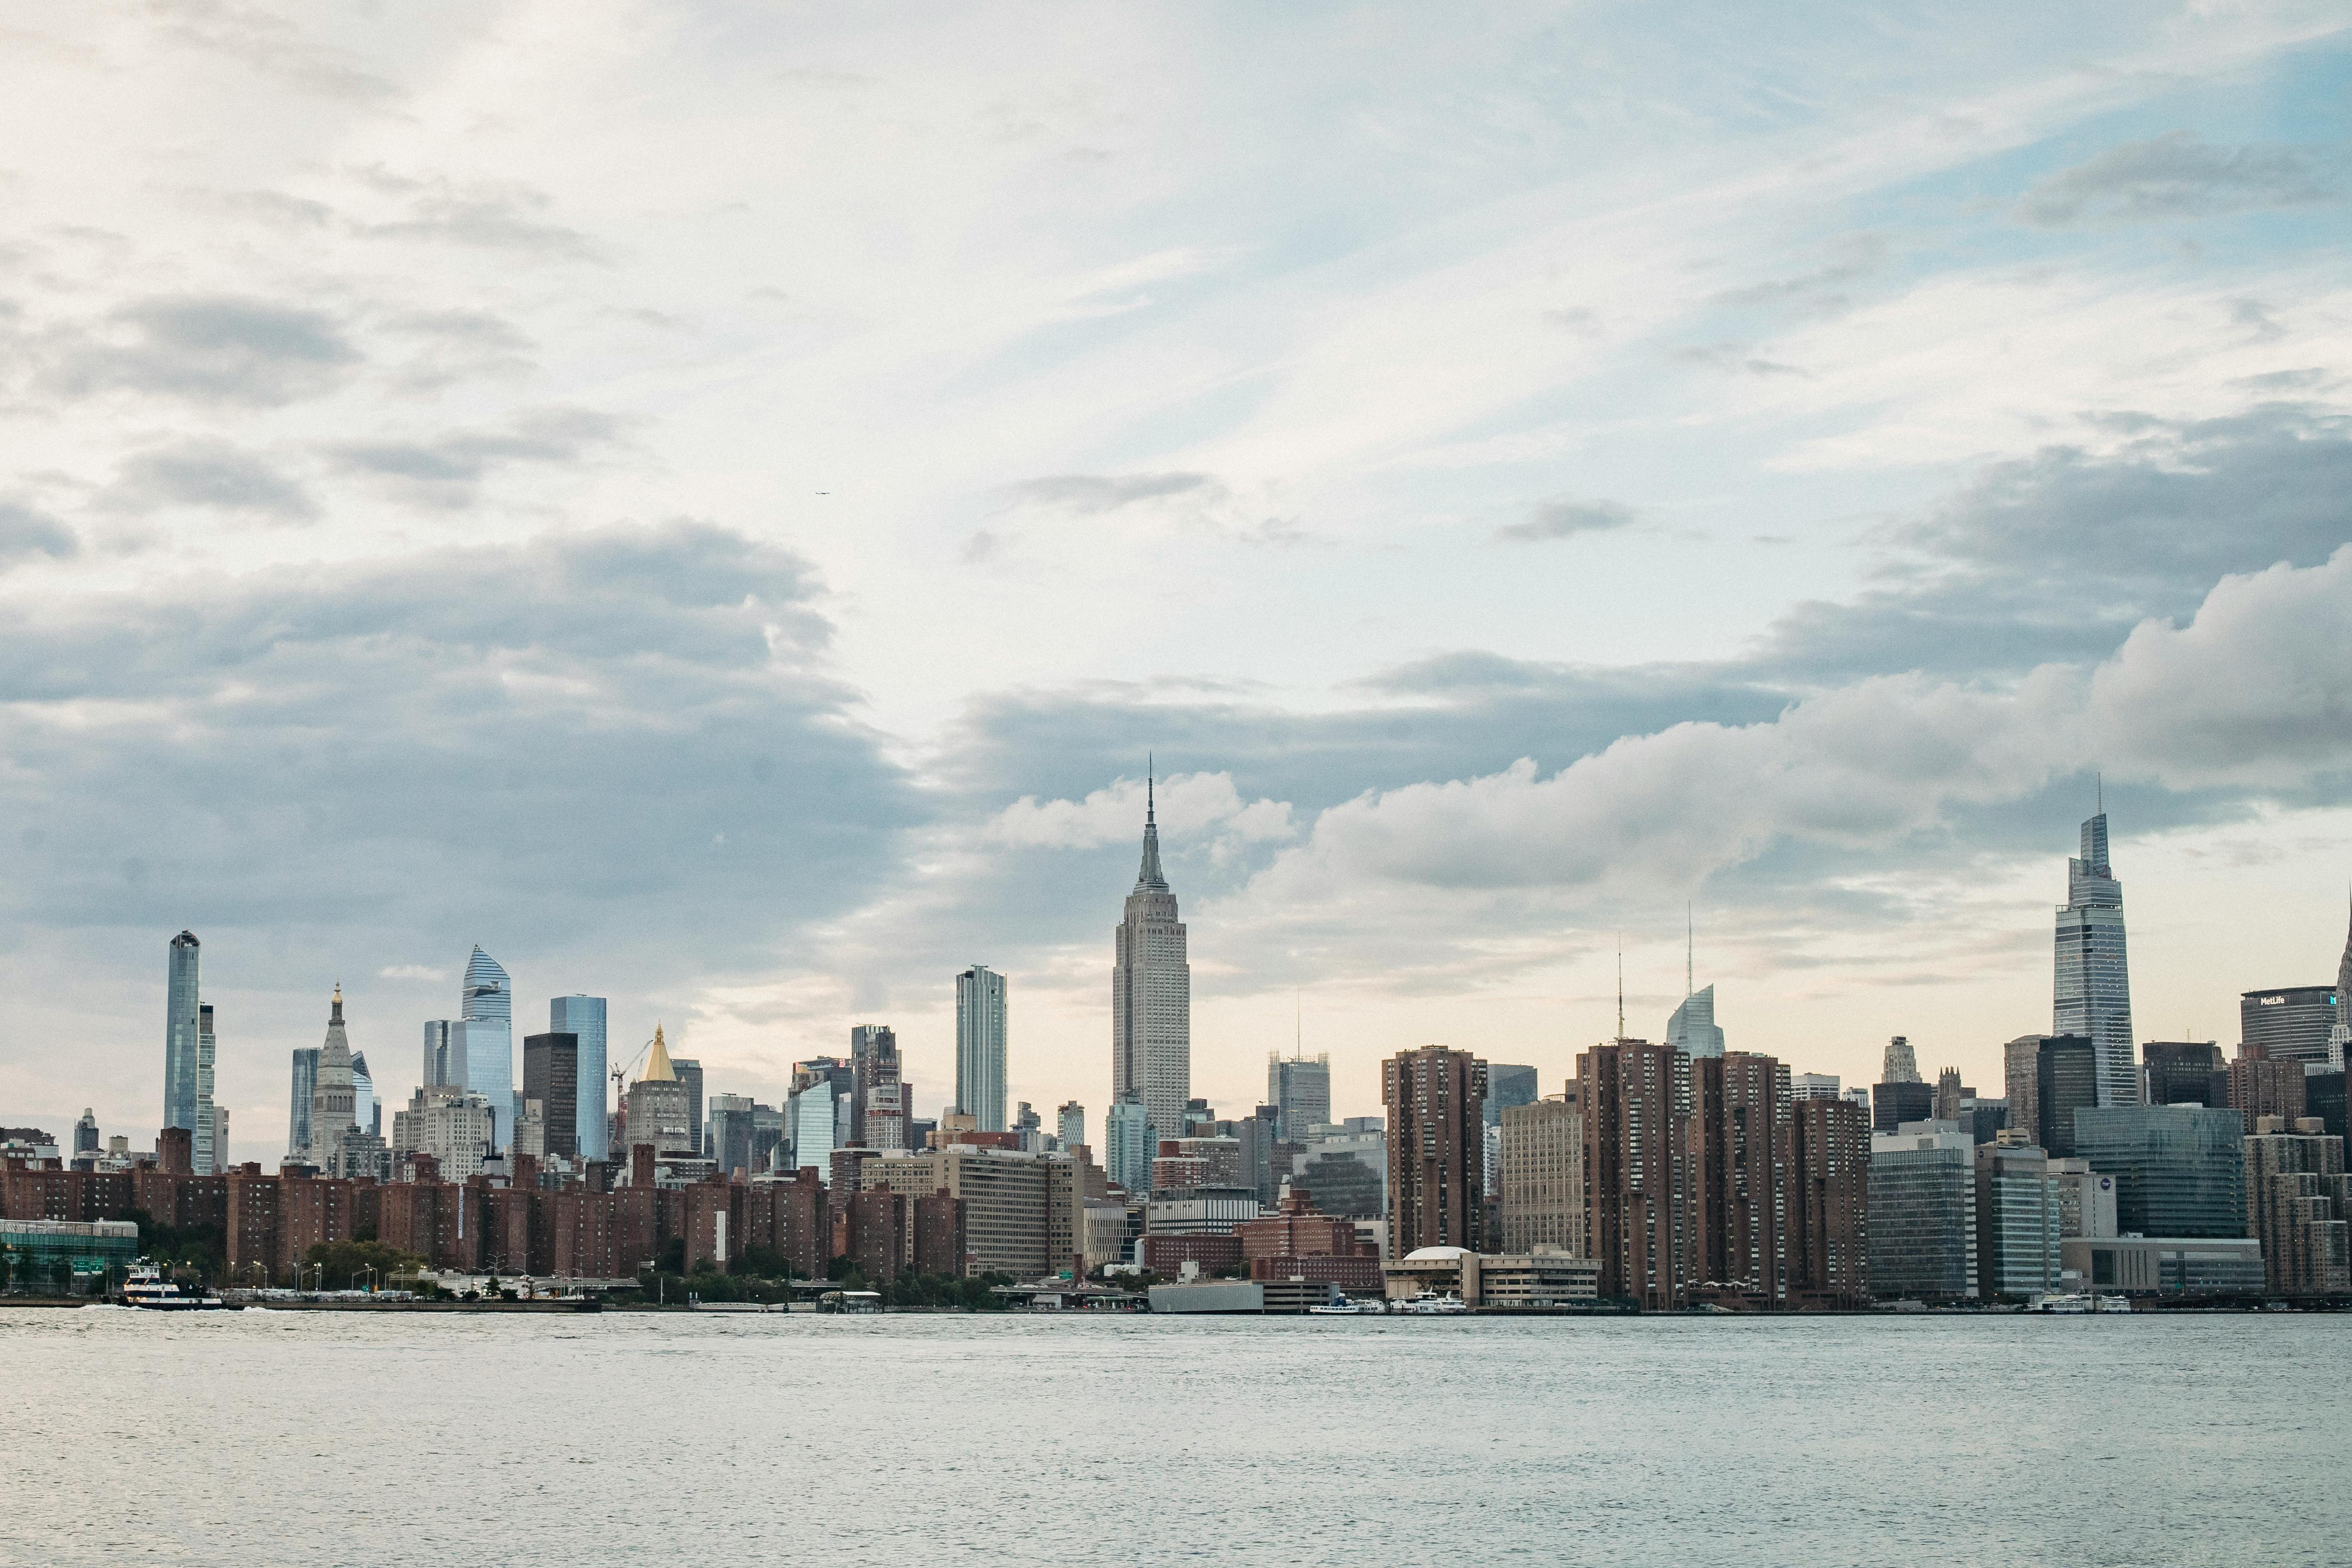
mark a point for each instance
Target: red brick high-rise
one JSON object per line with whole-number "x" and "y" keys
{"x": 1829, "y": 1209}
{"x": 1436, "y": 1102}
{"x": 1638, "y": 1182}
{"x": 1742, "y": 1122}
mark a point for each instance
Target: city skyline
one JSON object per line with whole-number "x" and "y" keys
{"x": 488, "y": 981}
{"x": 1528, "y": 476}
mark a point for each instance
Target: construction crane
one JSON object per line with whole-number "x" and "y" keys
{"x": 621, "y": 1073}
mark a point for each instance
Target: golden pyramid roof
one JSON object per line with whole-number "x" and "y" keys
{"x": 657, "y": 1066}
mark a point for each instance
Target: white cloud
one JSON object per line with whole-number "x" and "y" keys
{"x": 1190, "y": 805}
{"x": 2256, "y": 690}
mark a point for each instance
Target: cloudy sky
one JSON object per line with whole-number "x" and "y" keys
{"x": 716, "y": 502}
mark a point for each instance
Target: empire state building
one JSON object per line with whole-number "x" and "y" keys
{"x": 1151, "y": 996}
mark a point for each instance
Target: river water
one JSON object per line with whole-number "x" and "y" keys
{"x": 266, "y": 1438}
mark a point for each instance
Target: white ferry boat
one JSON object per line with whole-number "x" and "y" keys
{"x": 1429, "y": 1303}
{"x": 148, "y": 1287}
{"x": 1346, "y": 1308}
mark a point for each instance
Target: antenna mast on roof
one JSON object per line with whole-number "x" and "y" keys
{"x": 1620, "y": 986}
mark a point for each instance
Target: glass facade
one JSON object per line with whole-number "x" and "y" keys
{"x": 1299, "y": 1089}
{"x": 305, "y": 1084}
{"x": 445, "y": 1056}
{"x": 2184, "y": 1072}
{"x": 32, "y": 1249}
{"x": 1923, "y": 1222}
{"x": 585, "y": 1017}
{"x": 2065, "y": 1079}
{"x": 1507, "y": 1086}
{"x": 2179, "y": 1170}
{"x": 1692, "y": 1029}
{"x": 1127, "y": 1147}
{"x": 2289, "y": 1023}
{"x": 486, "y": 1017}
{"x": 2092, "y": 982}
{"x": 181, "y": 1028}
{"x": 980, "y": 1046}
{"x": 809, "y": 1119}
{"x": 2019, "y": 1222}
{"x": 367, "y": 1111}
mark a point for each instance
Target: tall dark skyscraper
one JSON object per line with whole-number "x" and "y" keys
{"x": 2180, "y": 1072}
{"x": 1151, "y": 995}
{"x": 1639, "y": 1185}
{"x": 2091, "y": 979}
{"x": 1507, "y": 1085}
{"x": 550, "y": 1075}
{"x": 1741, "y": 1109}
{"x": 181, "y": 1029}
{"x": 1436, "y": 1102}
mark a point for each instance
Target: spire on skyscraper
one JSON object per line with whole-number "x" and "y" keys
{"x": 1149, "y": 879}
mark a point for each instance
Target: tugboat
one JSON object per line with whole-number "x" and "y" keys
{"x": 147, "y": 1286}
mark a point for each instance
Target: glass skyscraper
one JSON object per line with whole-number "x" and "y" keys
{"x": 367, "y": 1113}
{"x": 305, "y": 1084}
{"x": 1299, "y": 1089}
{"x": 585, "y": 1017}
{"x": 488, "y": 1018}
{"x": 1127, "y": 1147}
{"x": 980, "y": 1046}
{"x": 181, "y": 1031}
{"x": 1692, "y": 1029}
{"x": 2179, "y": 1170}
{"x": 2091, "y": 983}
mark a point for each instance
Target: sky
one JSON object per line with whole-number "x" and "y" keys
{"x": 718, "y": 503}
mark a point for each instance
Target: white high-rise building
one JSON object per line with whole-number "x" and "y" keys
{"x": 980, "y": 1046}
{"x": 1151, "y": 995}
{"x": 210, "y": 1145}
{"x": 2092, "y": 982}
{"x": 486, "y": 1017}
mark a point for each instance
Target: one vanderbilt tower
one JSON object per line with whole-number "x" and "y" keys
{"x": 1151, "y": 995}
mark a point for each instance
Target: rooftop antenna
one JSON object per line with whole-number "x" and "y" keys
{"x": 1620, "y": 984}
{"x": 1148, "y": 804}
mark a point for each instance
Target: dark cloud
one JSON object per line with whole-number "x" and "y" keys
{"x": 1092, "y": 494}
{"x": 207, "y": 349}
{"x": 1566, "y": 520}
{"x": 2058, "y": 555}
{"x": 2180, "y": 175}
{"x": 210, "y": 474}
{"x": 615, "y": 748}
{"x": 448, "y": 470}
{"x": 27, "y": 534}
